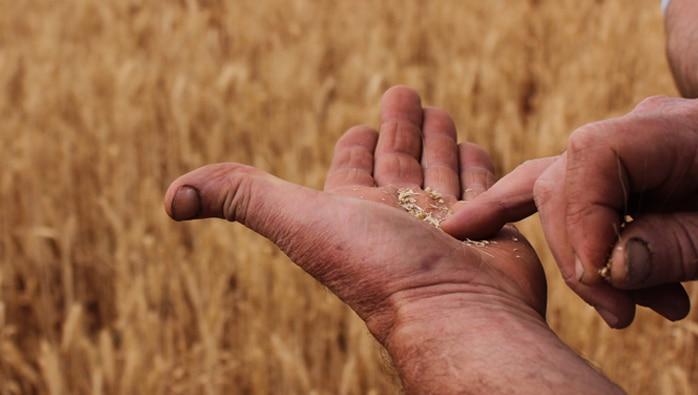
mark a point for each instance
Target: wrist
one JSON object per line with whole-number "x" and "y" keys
{"x": 429, "y": 307}
{"x": 458, "y": 316}
{"x": 485, "y": 342}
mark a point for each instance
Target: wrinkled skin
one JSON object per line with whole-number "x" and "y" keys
{"x": 641, "y": 167}
{"x": 356, "y": 239}
{"x": 452, "y": 315}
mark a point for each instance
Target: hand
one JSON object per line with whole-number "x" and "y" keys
{"x": 642, "y": 167}
{"x": 681, "y": 34}
{"x": 451, "y": 314}
{"x": 356, "y": 237}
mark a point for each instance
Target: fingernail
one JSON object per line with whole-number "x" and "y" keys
{"x": 186, "y": 203}
{"x": 579, "y": 270}
{"x": 607, "y": 316}
{"x": 637, "y": 259}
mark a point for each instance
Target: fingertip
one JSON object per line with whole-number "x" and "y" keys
{"x": 202, "y": 192}
{"x": 609, "y": 317}
{"x": 671, "y": 301}
{"x": 476, "y": 170}
{"x": 589, "y": 274}
{"x": 469, "y": 221}
{"x": 169, "y": 197}
{"x": 594, "y": 251}
{"x": 186, "y": 203}
{"x": 616, "y": 317}
{"x": 615, "y": 306}
{"x": 629, "y": 264}
{"x": 474, "y": 155}
{"x": 401, "y": 103}
{"x": 400, "y": 90}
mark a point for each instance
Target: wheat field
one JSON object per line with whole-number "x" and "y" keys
{"x": 104, "y": 103}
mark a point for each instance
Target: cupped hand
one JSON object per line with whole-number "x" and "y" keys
{"x": 372, "y": 237}
{"x": 618, "y": 209}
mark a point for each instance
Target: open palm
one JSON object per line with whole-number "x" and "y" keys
{"x": 371, "y": 236}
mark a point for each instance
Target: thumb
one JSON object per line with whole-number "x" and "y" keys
{"x": 302, "y": 222}
{"x": 341, "y": 241}
{"x": 226, "y": 190}
{"x": 314, "y": 229}
{"x": 266, "y": 204}
{"x": 656, "y": 249}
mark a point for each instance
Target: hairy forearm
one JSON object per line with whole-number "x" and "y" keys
{"x": 486, "y": 347}
{"x": 682, "y": 44}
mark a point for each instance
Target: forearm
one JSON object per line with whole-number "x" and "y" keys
{"x": 486, "y": 347}
{"x": 682, "y": 44}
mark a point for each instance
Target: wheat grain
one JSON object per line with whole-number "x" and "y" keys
{"x": 433, "y": 215}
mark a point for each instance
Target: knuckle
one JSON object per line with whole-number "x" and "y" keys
{"x": 569, "y": 277}
{"x": 663, "y": 107}
{"x": 543, "y": 190}
{"x": 355, "y": 136}
{"x": 474, "y": 153}
{"x": 530, "y": 164}
{"x": 581, "y": 136}
{"x": 652, "y": 103}
{"x": 588, "y": 136}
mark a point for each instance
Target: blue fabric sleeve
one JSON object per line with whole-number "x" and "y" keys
{"x": 665, "y": 4}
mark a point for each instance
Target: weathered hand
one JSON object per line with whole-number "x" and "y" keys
{"x": 357, "y": 237}
{"x": 642, "y": 167}
{"x": 451, "y": 314}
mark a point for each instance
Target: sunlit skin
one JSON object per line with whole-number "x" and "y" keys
{"x": 613, "y": 170}
{"x": 456, "y": 316}
{"x": 356, "y": 224}
{"x": 452, "y": 314}
{"x": 682, "y": 32}
{"x": 641, "y": 166}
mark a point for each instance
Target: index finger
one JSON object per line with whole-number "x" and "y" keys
{"x": 509, "y": 200}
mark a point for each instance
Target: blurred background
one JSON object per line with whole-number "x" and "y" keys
{"x": 104, "y": 103}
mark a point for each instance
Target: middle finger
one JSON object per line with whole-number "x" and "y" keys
{"x": 399, "y": 145}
